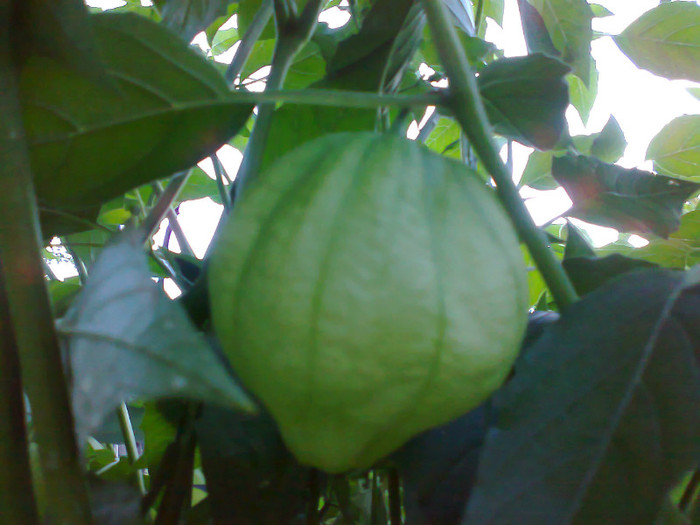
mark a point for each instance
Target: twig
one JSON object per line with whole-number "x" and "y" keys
{"x": 130, "y": 443}
{"x": 252, "y": 34}
{"x": 160, "y": 209}
{"x": 468, "y": 108}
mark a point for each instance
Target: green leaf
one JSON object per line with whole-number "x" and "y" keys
{"x": 676, "y": 148}
{"x": 568, "y": 23}
{"x": 680, "y": 250}
{"x": 588, "y": 273}
{"x": 62, "y": 294}
{"x": 246, "y": 13}
{"x": 583, "y": 96}
{"x": 538, "y": 171}
{"x": 372, "y": 60}
{"x": 189, "y": 17}
{"x": 665, "y": 40}
{"x": 600, "y": 11}
{"x": 535, "y": 31}
{"x": 198, "y": 186}
{"x": 630, "y": 200}
{"x": 494, "y": 9}
{"x": 610, "y": 144}
{"x": 127, "y": 340}
{"x": 88, "y": 144}
{"x": 444, "y": 139}
{"x": 600, "y": 419}
{"x": 526, "y": 98}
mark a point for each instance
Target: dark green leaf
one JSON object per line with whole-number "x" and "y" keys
{"x": 62, "y": 294}
{"x": 665, "y": 40}
{"x": 676, "y": 149}
{"x": 189, "y": 17}
{"x": 438, "y": 468}
{"x": 110, "y": 431}
{"x": 127, "y": 340}
{"x": 249, "y": 472}
{"x": 526, "y": 98}
{"x": 587, "y": 273}
{"x": 602, "y": 416}
{"x": 568, "y": 23}
{"x": 610, "y": 144}
{"x": 88, "y": 145}
{"x": 577, "y": 243}
{"x": 630, "y": 200}
{"x": 60, "y": 30}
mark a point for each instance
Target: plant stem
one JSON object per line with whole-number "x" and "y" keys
{"x": 394, "y": 497}
{"x": 468, "y": 108}
{"x": 293, "y": 33}
{"x": 160, "y": 209}
{"x": 251, "y": 36}
{"x": 16, "y": 491}
{"x": 689, "y": 492}
{"x": 130, "y": 443}
{"x": 336, "y": 97}
{"x": 175, "y": 227}
{"x": 220, "y": 173}
{"x": 37, "y": 343}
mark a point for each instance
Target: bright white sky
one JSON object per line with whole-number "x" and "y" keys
{"x": 641, "y": 102}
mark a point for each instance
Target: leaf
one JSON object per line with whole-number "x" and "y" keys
{"x": 665, "y": 40}
{"x": 526, "y": 98}
{"x": 592, "y": 429}
{"x": 675, "y": 150}
{"x": 249, "y": 472}
{"x": 58, "y": 29}
{"x": 588, "y": 273}
{"x": 535, "y": 31}
{"x": 568, "y": 23}
{"x": 494, "y": 10}
{"x": 372, "y": 60}
{"x": 438, "y": 468}
{"x": 444, "y": 139}
{"x": 680, "y": 250}
{"x": 198, "y": 186}
{"x": 626, "y": 199}
{"x": 577, "y": 243}
{"x": 600, "y": 11}
{"x": 189, "y": 17}
{"x": 610, "y": 144}
{"x": 463, "y": 14}
{"x": 88, "y": 145}
{"x": 127, "y": 340}
{"x": 582, "y": 95}
{"x": 538, "y": 171}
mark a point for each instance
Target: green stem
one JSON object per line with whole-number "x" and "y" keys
{"x": 292, "y": 35}
{"x": 39, "y": 351}
{"x": 220, "y": 173}
{"x": 16, "y": 491}
{"x": 248, "y": 41}
{"x": 160, "y": 209}
{"x": 130, "y": 442}
{"x": 174, "y": 224}
{"x": 335, "y": 97}
{"x": 468, "y": 108}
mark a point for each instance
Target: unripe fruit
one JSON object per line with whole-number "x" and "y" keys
{"x": 367, "y": 289}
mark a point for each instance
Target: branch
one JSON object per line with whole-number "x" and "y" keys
{"x": 160, "y": 208}
{"x": 37, "y": 343}
{"x": 337, "y": 98}
{"x": 248, "y": 41}
{"x": 468, "y": 108}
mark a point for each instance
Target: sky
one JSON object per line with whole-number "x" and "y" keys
{"x": 641, "y": 102}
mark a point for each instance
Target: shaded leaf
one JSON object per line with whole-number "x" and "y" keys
{"x": 114, "y": 503}
{"x": 577, "y": 243}
{"x": 568, "y": 23}
{"x": 665, "y": 40}
{"x": 189, "y": 17}
{"x": 626, "y": 199}
{"x": 438, "y": 468}
{"x": 251, "y": 477}
{"x": 58, "y": 29}
{"x": 675, "y": 150}
{"x": 680, "y": 250}
{"x": 127, "y": 340}
{"x": 526, "y": 98}
{"x": 198, "y": 186}
{"x": 587, "y": 273}
{"x": 88, "y": 145}
{"x": 463, "y": 14}
{"x": 610, "y": 144}
{"x": 602, "y": 416}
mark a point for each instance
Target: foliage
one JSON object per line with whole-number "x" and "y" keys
{"x": 105, "y": 116}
